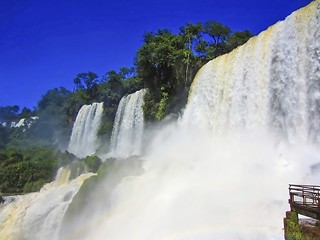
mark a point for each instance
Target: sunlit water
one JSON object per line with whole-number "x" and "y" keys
{"x": 251, "y": 127}
{"x": 126, "y": 139}
{"x": 39, "y": 215}
{"x": 84, "y": 141}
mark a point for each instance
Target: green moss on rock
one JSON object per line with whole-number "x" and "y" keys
{"x": 85, "y": 206}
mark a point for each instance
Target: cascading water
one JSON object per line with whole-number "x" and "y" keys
{"x": 83, "y": 141}
{"x": 250, "y": 128}
{"x": 37, "y": 216}
{"x": 126, "y": 139}
{"x": 272, "y": 81}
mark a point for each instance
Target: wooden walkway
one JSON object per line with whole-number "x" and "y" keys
{"x": 305, "y": 200}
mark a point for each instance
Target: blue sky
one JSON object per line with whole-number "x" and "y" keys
{"x": 44, "y": 44}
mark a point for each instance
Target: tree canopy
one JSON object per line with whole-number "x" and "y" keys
{"x": 167, "y": 62}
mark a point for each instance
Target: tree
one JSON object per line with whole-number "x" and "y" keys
{"x": 8, "y": 113}
{"x": 190, "y": 33}
{"x": 217, "y": 31}
{"x": 25, "y": 113}
{"x": 4, "y": 136}
{"x": 28, "y": 169}
{"x": 164, "y": 65}
{"x": 73, "y": 104}
{"x": 238, "y": 38}
{"x": 202, "y": 49}
{"x": 53, "y": 119}
{"x": 87, "y": 82}
{"x": 53, "y": 100}
{"x": 111, "y": 89}
{"x": 127, "y": 72}
{"x": 220, "y": 35}
{"x": 158, "y": 59}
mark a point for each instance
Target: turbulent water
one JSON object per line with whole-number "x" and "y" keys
{"x": 126, "y": 139}
{"x": 251, "y": 127}
{"x": 83, "y": 141}
{"x": 37, "y": 216}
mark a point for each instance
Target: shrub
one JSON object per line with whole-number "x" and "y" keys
{"x": 3, "y": 157}
{"x": 33, "y": 186}
{"x": 93, "y": 163}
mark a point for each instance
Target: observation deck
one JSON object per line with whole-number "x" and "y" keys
{"x": 305, "y": 200}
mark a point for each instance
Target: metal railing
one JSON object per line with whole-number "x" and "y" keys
{"x": 304, "y": 195}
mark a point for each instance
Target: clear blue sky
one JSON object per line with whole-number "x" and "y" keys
{"x": 45, "y": 43}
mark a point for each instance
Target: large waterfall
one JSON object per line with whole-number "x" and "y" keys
{"x": 126, "y": 139}
{"x": 272, "y": 81}
{"x": 251, "y": 127}
{"x": 83, "y": 141}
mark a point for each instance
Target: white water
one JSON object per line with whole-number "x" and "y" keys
{"x": 272, "y": 83}
{"x": 83, "y": 141}
{"x": 37, "y": 216}
{"x": 126, "y": 139}
{"x": 222, "y": 171}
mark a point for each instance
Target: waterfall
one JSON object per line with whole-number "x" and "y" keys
{"x": 62, "y": 176}
{"x": 251, "y": 127}
{"x": 272, "y": 82}
{"x": 83, "y": 141}
{"x": 126, "y": 138}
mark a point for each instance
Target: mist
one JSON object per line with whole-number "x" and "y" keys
{"x": 230, "y": 187}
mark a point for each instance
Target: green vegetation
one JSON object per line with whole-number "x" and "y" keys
{"x": 292, "y": 227}
{"x": 165, "y": 64}
{"x": 299, "y": 231}
{"x": 162, "y": 105}
{"x": 109, "y": 175}
{"x": 26, "y": 170}
{"x": 93, "y": 163}
{"x": 86, "y": 192}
